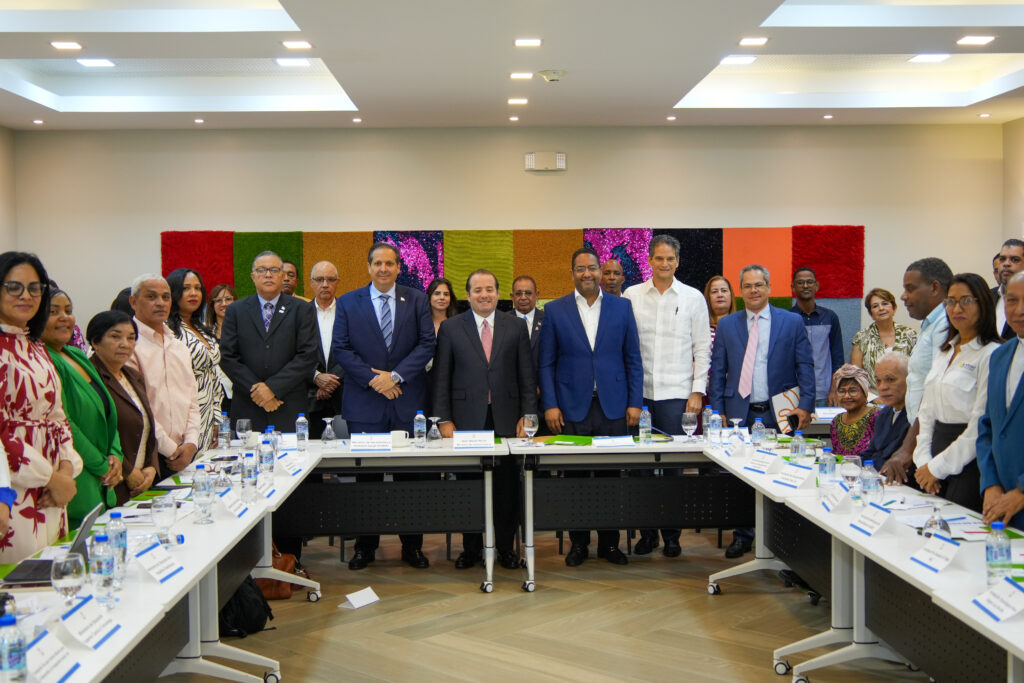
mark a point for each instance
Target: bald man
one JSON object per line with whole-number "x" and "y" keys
{"x": 325, "y": 387}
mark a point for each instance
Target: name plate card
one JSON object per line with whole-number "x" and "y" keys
{"x": 937, "y": 553}
{"x": 763, "y": 462}
{"x": 835, "y": 496}
{"x": 48, "y": 660}
{"x": 233, "y": 502}
{"x": 292, "y": 464}
{"x": 871, "y": 519}
{"x": 370, "y": 442}
{"x": 265, "y": 485}
{"x": 89, "y": 623}
{"x": 614, "y": 442}
{"x": 1003, "y": 600}
{"x": 473, "y": 440}
{"x": 795, "y": 476}
{"x": 158, "y": 563}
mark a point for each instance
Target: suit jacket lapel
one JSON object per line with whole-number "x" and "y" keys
{"x": 1000, "y": 374}
{"x": 473, "y": 336}
{"x": 256, "y": 314}
{"x": 501, "y": 331}
{"x": 577, "y": 322}
{"x": 283, "y": 305}
{"x": 367, "y": 304}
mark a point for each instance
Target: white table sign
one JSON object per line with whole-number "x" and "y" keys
{"x": 1003, "y": 600}
{"x": 370, "y": 442}
{"x": 360, "y": 599}
{"x": 795, "y": 476}
{"x": 474, "y": 440}
{"x": 937, "y": 553}
{"x": 158, "y": 562}
{"x": 48, "y": 660}
{"x": 89, "y": 623}
{"x": 233, "y": 502}
{"x": 289, "y": 442}
{"x": 614, "y": 442}
{"x": 763, "y": 462}
{"x": 835, "y": 496}
{"x": 292, "y": 464}
{"x": 871, "y": 519}
{"x": 265, "y": 485}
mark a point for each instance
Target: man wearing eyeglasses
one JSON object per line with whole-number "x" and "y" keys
{"x": 325, "y": 391}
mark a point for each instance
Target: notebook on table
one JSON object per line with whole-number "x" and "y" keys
{"x": 38, "y": 571}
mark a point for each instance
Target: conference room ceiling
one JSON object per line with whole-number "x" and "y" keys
{"x": 414, "y": 63}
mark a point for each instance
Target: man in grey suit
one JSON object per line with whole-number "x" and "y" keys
{"x": 484, "y": 380}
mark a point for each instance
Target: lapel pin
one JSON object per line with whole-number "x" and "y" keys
{"x": 401, "y": 298}
{"x": 281, "y": 310}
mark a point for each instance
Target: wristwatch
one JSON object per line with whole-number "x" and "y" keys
{"x": 395, "y": 377}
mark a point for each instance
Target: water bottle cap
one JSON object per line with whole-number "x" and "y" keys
{"x": 266, "y": 441}
{"x": 181, "y": 539}
{"x": 223, "y": 413}
{"x": 644, "y": 408}
{"x": 869, "y": 463}
{"x": 302, "y": 415}
{"x": 200, "y": 467}
{"x": 270, "y": 428}
{"x": 115, "y": 515}
{"x": 757, "y": 419}
{"x": 998, "y": 526}
{"x": 715, "y": 412}
{"x": 8, "y": 620}
{"x": 799, "y": 433}
{"x": 102, "y": 538}
{"x": 419, "y": 412}
{"x": 826, "y": 449}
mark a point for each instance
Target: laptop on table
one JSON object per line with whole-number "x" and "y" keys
{"x": 36, "y": 572}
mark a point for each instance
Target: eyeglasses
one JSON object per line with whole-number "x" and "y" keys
{"x": 849, "y": 391}
{"x": 224, "y": 300}
{"x": 15, "y": 288}
{"x": 522, "y": 292}
{"x": 321, "y": 280}
{"x": 579, "y": 270}
{"x": 267, "y": 271}
{"x": 747, "y": 286}
{"x": 964, "y": 301}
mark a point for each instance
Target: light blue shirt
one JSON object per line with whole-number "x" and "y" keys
{"x": 759, "y": 387}
{"x": 375, "y": 295}
{"x": 932, "y": 336}
{"x": 264, "y": 302}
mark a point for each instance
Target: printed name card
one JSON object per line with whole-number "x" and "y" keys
{"x": 265, "y": 485}
{"x": 728, "y": 452}
{"x": 614, "y": 442}
{"x": 871, "y": 519}
{"x": 158, "y": 562}
{"x": 834, "y": 496}
{"x": 89, "y": 623}
{"x": 1003, "y": 600}
{"x": 289, "y": 442}
{"x": 291, "y": 463}
{"x": 233, "y": 502}
{"x": 360, "y": 599}
{"x": 937, "y": 553}
{"x": 795, "y": 476}
{"x": 763, "y": 462}
{"x": 473, "y": 440}
{"x": 48, "y": 660}
{"x": 371, "y": 442}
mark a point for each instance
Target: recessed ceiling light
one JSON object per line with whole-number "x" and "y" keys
{"x": 357, "y": 120}
{"x": 95, "y": 62}
{"x": 827, "y": 117}
{"x": 753, "y": 42}
{"x": 66, "y": 45}
{"x": 38, "y": 122}
{"x": 527, "y": 42}
{"x": 200, "y": 121}
{"x": 736, "y": 60}
{"x": 292, "y": 61}
{"x": 975, "y": 40}
{"x": 521, "y": 75}
{"x": 296, "y": 44}
{"x": 984, "y": 116}
{"x": 513, "y": 118}
{"x": 517, "y": 100}
{"x": 670, "y": 118}
{"x": 929, "y": 58}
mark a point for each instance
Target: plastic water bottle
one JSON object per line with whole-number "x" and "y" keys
{"x": 997, "y": 553}
{"x": 645, "y": 425}
{"x": 715, "y": 428}
{"x": 202, "y": 493}
{"x": 13, "y": 661}
{"x": 249, "y": 474}
{"x": 871, "y": 489}
{"x": 419, "y": 430}
{"x": 118, "y": 534}
{"x": 224, "y": 432}
{"x": 301, "y": 433}
{"x": 705, "y": 422}
{"x": 798, "y": 447}
{"x": 757, "y": 433}
{"x": 267, "y": 457}
{"x": 101, "y": 570}
{"x": 826, "y": 470}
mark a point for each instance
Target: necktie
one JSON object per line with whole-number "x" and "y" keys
{"x": 386, "y": 326}
{"x": 747, "y": 374}
{"x": 485, "y": 339}
{"x": 268, "y": 313}
{"x": 529, "y": 330}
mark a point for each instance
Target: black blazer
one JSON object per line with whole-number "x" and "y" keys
{"x": 329, "y": 365}
{"x": 463, "y": 378}
{"x": 1007, "y": 332}
{"x": 283, "y": 357}
{"x": 887, "y": 437}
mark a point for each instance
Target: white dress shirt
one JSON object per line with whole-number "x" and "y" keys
{"x": 1001, "y": 311}
{"x": 955, "y": 393}
{"x": 675, "y": 339}
{"x": 590, "y": 315}
{"x": 1016, "y": 370}
{"x": 480, "y": 325}
{"x": 325, "y": 319}
{"x": 759, "y": 385}
{"x": 528, "y": 317}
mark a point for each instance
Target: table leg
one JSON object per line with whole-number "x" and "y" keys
{"x": 265, "y": 568}
{"x": 763, "y": 557}
{"x": 488, "y": 585}
{"x": 1014, "y": 669}
{"x": 528, "y": 585}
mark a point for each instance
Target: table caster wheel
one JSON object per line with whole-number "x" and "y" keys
{"x": 313, "y": 596}
{"x": 782, "y": 668}
{"x": 272, "y": 677}
{"x": 487, "y": 587}
{"x": 713, "y": 589}
{"x": 814, "y": 597}
{"x": 801, "y": 679}
{"x": 912, "y": 667}
{"x": 529, "y": 586}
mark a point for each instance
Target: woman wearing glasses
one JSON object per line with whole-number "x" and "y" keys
{"x": 955, "y": 393}
{"x": 851, "y": 431}
{"x": 221, "y": 296}
{"x": 33, "y": 430}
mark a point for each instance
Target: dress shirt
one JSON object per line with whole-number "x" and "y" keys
{"x": 1000, "y": 311}
{"x": 166, "y": 365}
{"x": 955, "y": 393}
{"x": 759, "y": 386}
{"x": 590, "y": 315}
{"x": 933, "y": 334}
{"x": 675, "y": 339}
{"x": 375, "y": 295}
{"x": 480, "y": 324}
{"x": 826, "y": 338}
{"x": 272, "y": 302}
{"x": 325, "y": 319}
{"x": 528, "y": 317}
{"x": 1016, "y": 370}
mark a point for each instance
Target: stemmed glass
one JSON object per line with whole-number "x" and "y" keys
{"x": 434, "y": 434}
{"x": 530, "y": 426}
{"x": 849, "y": 470}
{"x": 67, "y": 574}
{"x": 328, "y": 438}
{"x": 736, "y": 427}
{"x": 243, "y": 426}
{"x": 203, "y": 496}
{"x": 936, "y": 524}
{"x": 164, "y": 511}
{"x": 689, "y": 425}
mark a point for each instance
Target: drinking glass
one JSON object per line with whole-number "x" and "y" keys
{"x": 328, "y": 438}
{"x": 203, "y": 497}
{"x": 164, "y": 512}
{"x": 736, "y": 424}
{"x": 849, "y": 469}
{"x": 530, "y": 426}
{"x": 936, "y": 524}
{"x": 689, "y": 425}
{"x": 67, "y": 574}
{"x": 243, "y": 426}
{"x": 434, "y": 434}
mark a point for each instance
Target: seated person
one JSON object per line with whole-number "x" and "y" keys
{"x": 851, "y": 431}
{"x": 891, "y": 424}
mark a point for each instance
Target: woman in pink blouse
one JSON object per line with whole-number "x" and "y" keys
{"x": 34, "y": 433}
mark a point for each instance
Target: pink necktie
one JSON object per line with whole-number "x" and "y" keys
{"x": 747, "y": 374}
{"x": 485, "y": 339}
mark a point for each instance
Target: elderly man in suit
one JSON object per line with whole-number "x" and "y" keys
{"x": 484, "y": 380}
{"x": 1001, "y": 427}
{"x": 268, "y": 350}
{"x": 591, "y": 375}
{"x": 891, "y": 424}
{"x": 1007, "y": 263}
{"x": 383, "y": 338}
{"x": 524, "y": 299}
{"x": 759, "y": 353}
{"x": 328, "y": 375}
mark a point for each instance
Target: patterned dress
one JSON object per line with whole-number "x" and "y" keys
{"x": 205, "y": 361}
{"x": 869, "y": 341}
{"x": 35, "y": 438}
{"x": 853, "y": 439}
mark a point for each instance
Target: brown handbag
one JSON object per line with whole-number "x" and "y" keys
{"x": 279, "y": 590}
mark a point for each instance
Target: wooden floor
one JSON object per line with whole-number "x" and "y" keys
{"x": 651, "y": 620}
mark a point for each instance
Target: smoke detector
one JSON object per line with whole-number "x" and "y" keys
{"x": 552, "y": 75}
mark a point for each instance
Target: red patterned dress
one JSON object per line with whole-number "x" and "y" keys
{"x": 35, "y": 437}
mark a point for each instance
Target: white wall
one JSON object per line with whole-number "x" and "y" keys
{"x": 92, "y": 204}
{"x": 1013, "y": 179}
{"x": 8, "y": 231}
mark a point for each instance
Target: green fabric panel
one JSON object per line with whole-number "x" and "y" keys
{"x": 287, "y": 245}
{"x": 469, "y": 250}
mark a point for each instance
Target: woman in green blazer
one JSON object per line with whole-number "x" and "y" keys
{"x": 89, "y": 410}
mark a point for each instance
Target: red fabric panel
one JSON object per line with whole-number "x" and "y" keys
{"x": 208, "y": 252}
{"x": 836, "y": 253}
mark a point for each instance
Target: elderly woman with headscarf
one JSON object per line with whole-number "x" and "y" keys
{"x": 852, "y": 431}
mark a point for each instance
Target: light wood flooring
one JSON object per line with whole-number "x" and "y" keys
{"x": 651, "y": 620}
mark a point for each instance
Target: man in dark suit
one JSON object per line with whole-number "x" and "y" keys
{"x": 524, "y": 298}
{"x": 325, "y": 386}
{"x": 891, "y": 423}
{"x": 591, "y": 375}
{"x": 759, "y": 353}
{"x": 1008, "y": 262}
{"x": 383, "y": 338}
{"x": 484, "y": 380}
{"x": 268, "y": 350}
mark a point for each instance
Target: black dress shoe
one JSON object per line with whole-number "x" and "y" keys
{"x": 509, "y": 559}
{"x": 645, "y": 545}
{"x": 737, "y": 548}
{"x": 361, "y": 558}
{"x": 414, "y": 557}
{"x": 613, "y": 555}
{"x": 466, "y": 560}
{"x": 672, "y": 549}
{"x": 576, "y": 555}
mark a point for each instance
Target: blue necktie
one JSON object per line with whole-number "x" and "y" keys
{"x": 268, "y": 313}
{"x": 386, "y": 326}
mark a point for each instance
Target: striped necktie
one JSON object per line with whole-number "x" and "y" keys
{"x": 386, "y": 325}
{"x": 747, "y": 373}
{"x": 268, "y": 313}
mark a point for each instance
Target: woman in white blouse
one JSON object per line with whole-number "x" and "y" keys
{"x": 954, "y": 395}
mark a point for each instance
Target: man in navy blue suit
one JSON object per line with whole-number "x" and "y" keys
{"x": 383, "y": 338}
{"x": 891, "y": 423}
{"x": 591, "y": 375}
{"x": 758, "y": 353}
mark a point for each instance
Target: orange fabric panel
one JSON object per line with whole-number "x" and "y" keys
{"x": 346, "y": 250}
{"x": 769, "y": 247}
{"x": 545, "y": 255}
